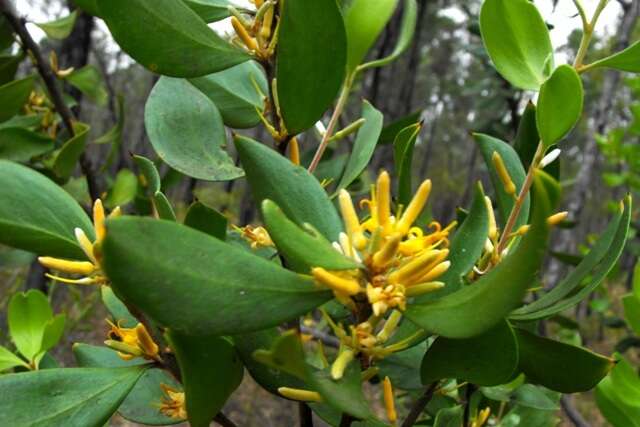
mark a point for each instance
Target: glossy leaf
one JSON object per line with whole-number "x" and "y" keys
{"x": 71, "y": 396}
{"x": 364, "y": 145}
{"x": 119, "y": 312}
{"x": 364, "y": 21}
{"x": 488, "y": 145}
{"x": 160, "y": 265}
{"x": 527, "y": 137}
{"x": 89, "y": 6}
{"x": 150, "y": 172}
{"x": 401, "y": 367}
{"x": 315, "y": 53}
{"x": 345, "y": 394}
{"x": 28, "y": 316}
{"x": 558, "y": 366}
{"x": 407, "y": 30}
{"x": 302, "y": 248}
{"x": 211, "y": 371}
{"x": 478, "y": 307}
{"x": 21, "y": 145}
{"x": 631, "y": 306}
{"x": 391, "y": 130}
{"x": 517, "y": 40}
{"x": 209, "y": 10}
{"x": 163, "y": 207}
{"x": 60, "y": 28}
{"x": 403, "y": 160}
{"x": 68, "y": 156}
{"x": 168, "y": 38}
{"x": 486, "y": 360}
{"x": 202, "y": 217}
{"x": 13, "y": 96}
{"x": 449, "y": 417}
{"x": 285, "y": 353}
{"x": 234, "y": 92}
{"x": 296, "y": 191}
{"x": 186, "y": 131}
{"x": 124, "y": 189}
{"x": 9, "y": 360}
{"x": 559, "y": 104}
{"x": 52, "y": 333}
{"x": 614, "y": 408}
{"x": 625, "y": 60}
{"x": 47, "y": 230}
{"x": 626, "y": 380}
{"x": 9, "y": 66}
{"x": 90, "y": 82}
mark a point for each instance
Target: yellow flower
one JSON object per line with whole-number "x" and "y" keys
{"x": 91, "y": 270}
{"x": 173, "y": 404}
{"x": 132, "y": 342}
{"x": 258, "y": 236}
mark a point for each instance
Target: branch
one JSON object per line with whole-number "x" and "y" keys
{"x": 419, "y": 406}
{"x": 326, "y": 339}
{"x": 306, "y": 416}
{"x": 572, "y": 412}
{"x": 50, "y": 80}
{"x": 223, "y": 420}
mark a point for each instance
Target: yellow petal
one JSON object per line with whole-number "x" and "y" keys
{"x": 98, "y": 219}
{"x": 416, "y": 267}
{"x": 436, "y": 272}
{"x": 415, "y": 207}
{"x": 341, "y": 363}
{"x": 389, "y": 403}
{"x": 72, "y": 267}
{"x": 385, "y": 255}
{"x": 337, "y": 283}
{"x": 85, "y": 244}
{"x": 384, "y": 201}
{"x": 493, "y": 228}
{"x": 351, "y": 221}
{"x": 299, "y": 394}
{"x": 557, "y": 218}
{"x": 503, "y": 173}
{"x": 423, "y": 288}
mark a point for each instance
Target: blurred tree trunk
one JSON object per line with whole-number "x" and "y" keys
{"x": 76, "y": 48}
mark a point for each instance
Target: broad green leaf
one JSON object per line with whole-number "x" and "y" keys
{"x": 28, "y": 316}
{"x": 168, "y": 38}
{"x": 13, "y": 96}
{"x": 631, "y": 306}
{"x": 559, "y": 105}
{"x": 402, "y": 367}
{"x": 333, "y": 417}
{"x": 478, "y": 307}
{"x": 517, "y": 40}
{"x": 488, "y": 359}
{"x": 488, "y": 145}
{"x": 407, "y": 30}
{"x": 449, "y": 417}
{"x": 311, "y": 60}
{"x": 527, "y": 137}
{"x": 345, "y": 394}
{"x": 89, "y": 81}
{"x": 626, "y": 60}
{"x": 302, "y": 248}
{"x": 72, "y": 396}
{"x": 613, "y": 408}
{"x": 285, "y": 354}
{"x": 208, "y": 220}
{"x": 9, "y": 360}
{"x": 52, "y": 332}
{"x": 596, "y": 270}
{"x": 150, "y": 172}
{"x": 235, "y": 94}
{"x": 160, "y": 265}
{"x": 6, "y": 34}
{"x": 124, "y": 189}
{"x": 119, "y": 312}
{"x": 186, "y": 130}
{"x": 211, "y": 370}
{"x": 209, "y": 10}
{"x": 534, "y": 397}
{"x": 391, "y": 130}
{"x": 47, "y": 230}
{"x": 67, "y": 158}
{"x": 403, "y": 160}
{"x": 636, "y": 280}
{"x": 163, "y": 207}
{"x": 626, "y": 380}
{"x": 561, "y": 367}
{"x": 364, "y": 145}
{"x": 21, "y": 145}
{"x": 296, "y": 191}
{"x": 89, "y": 6}
{"x": 466, "y": 247}
{"x": 60, "y": 28}
{"x": 9, "y": 66}
{"x": 364, "y": 21}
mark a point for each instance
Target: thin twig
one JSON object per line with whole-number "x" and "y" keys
{"x": 306, "y": 416}
{"x": 572, "y": 413}
{"x": 326, "y": 339}
{"x": 419, "y": 406}
{"x": 19, "y": 26}
{"x": 223, "y": 420}
{"x": 346, "y": 420}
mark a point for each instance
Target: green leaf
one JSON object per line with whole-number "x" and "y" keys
{"x": 7, "y": 37}
{"x": 407, "y": 31}
{"x": 403, "y": 160}
{"x": 561, "y": 367}
{"x": 163, "y": 207}
{"x": 364, "y": 21}
{"x": 9, "y": 360}
{"x": 186, "y": 130}
{"x": 488, "y": 145}
{"x": 124, "y": 189}
{"x": 119, "y": 312}
{"x": 13, "y": 96}
{"x": 72, "y": 396}
{"x": 391, "y": 130}
{"x": 626, "y": 380}
{"x": 531, "y": 396}
{"x": 559, "y": 105}
{"x": 478, "y": 307}
{"x": 296, "y": 191}
{"x": 631, "y": 306}
{"x": 47, "y": 230}
{"x": 364, "y": 145}
{"x": 211, "y": 371}
{"x": 492, "y": 361}
{"x": 89, "y": 81}
{"x": 626, "y": 60}
{"x": 160, "y": 265}
{"x": 168, "y": 38}
{"x": 68, "y": 156}
{"x": 28, "y": 316}
{"x": 517, "y": 40}
{"x": 60, "y": 28}
{"x": 52, "y": 332}
{"x": 202, "y": 217}
{"x": 345, "y": 394}
{"x": 302, "y": 248}
{"x": 401, "y": 367}
{"x": 9, "y": 66}
{"x": 234, "y": 93}
{"x": 150, "y": 173}
{"x": 89, "y": 6}
{"x": 209, "y": 10}
{"x": 311, "y": 60}
{"x": 21, "y": 145}
{"x": 614, "y": 409}
{"x": 527, "y": 137}
{"x": 285, "y": 354}
{"x": 449, "y": 417}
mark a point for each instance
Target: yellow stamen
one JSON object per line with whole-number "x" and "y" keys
{"x": 83, "y": 281}
{"x": 337, "y": 283}
{"x": 493, "y": 227}
{"x": 557, "y": 218}
{"x": 423, "y": 288}
{"x": 299, "y": 394}
{"x": 503, "y": 173}
{"x": 267, "y": 23}
{"x": 351, "y": 221}
{"x": 85, "y": 244}
{"x": 294, "y": 151}
{"x": 436, "y": 272}
{"x": 72, "y": 267}
{"x": 98, "y": 220}
{"x": 341, "y": 363}
{"x": 125, "y": 351}
{"x": 385, "y": 255}
{"x": 389, "y": 403}
{"x": 482, "y": 417}
{"x": 146, "y": 343}
{"x": 384, "y": 201}
{"x": 414, "y": 268}
{"x": 415, "y": 207}
{"x": 174, "y": 404}
{"x": 241, "y": 31}
{"x": 522, "y": 230}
